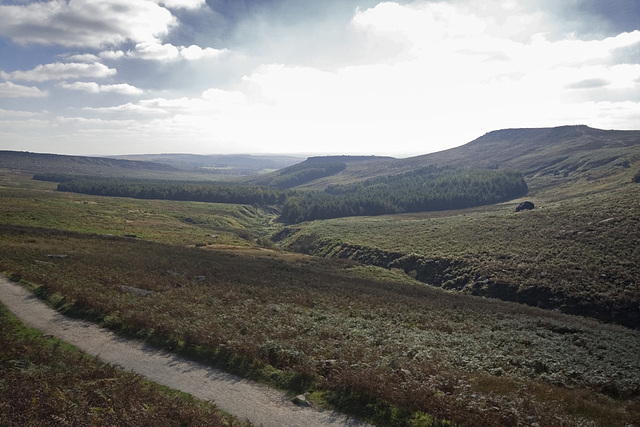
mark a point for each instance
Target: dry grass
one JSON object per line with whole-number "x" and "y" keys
{"x": 46, "y": 383}
{"x": 580, "y": 255}
{"x": 333, "y": 325}
{"x": 370, "y": 341}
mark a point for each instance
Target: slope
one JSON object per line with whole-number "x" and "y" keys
{"x": 572, "y": 152}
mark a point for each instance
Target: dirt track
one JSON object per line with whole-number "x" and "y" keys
{"x": 242, "y": 398}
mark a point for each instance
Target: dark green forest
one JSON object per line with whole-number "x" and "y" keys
{"x": 426, "y": 189}
{"x": 194, "y": 191}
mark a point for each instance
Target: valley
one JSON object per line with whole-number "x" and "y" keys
{"x": 467, "y": 315}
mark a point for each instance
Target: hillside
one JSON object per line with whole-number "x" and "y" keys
{"x": 239, "y": 164}
{"x": 567, "y": 152}
{"x": 548, "y": 151}
{"x": 155, "y": 166}
{"x": 77, "y": 165}
{"x": 576, "y": 252}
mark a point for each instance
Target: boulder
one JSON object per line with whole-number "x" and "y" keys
{"x": 524, "y": 206}
{"x": 301, "y": 400}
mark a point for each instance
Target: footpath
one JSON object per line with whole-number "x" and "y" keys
{"x": 245, "y": 399}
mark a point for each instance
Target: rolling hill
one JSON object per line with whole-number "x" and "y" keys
{"x": 153, "y": 166}
{"x": 222, "y": 282}
{"x": 569, "y": 152}
{"x": 239, "y": 164}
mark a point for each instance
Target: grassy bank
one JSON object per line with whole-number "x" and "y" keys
{"x": 46, "y": 382}
{"x": 579, "y": 255}
{"x": 317, "y": 324}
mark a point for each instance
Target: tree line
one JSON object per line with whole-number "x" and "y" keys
{"x": 427, "y": 189}
{"x": 195, "y": 191}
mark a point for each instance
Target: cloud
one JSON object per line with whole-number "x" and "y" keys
{"x": 12, "y": 90}
{"x": 112, "y": 54}
{"x": 83, "y": 57}
{"x": 92, "y": 87}
{"x": 86, "y": 23}
{"x": 141, "y": 110}
{"x": 168, "y": 52}
{"x": 15, "y": 114}
{"x": 588, "y": 84}
{"x": 155, "y": 51}
{"x": 182, "y": 4}
{"x": 60, "y": 71}
{"x": 410, "y": 76}
{"x": 194, "y": 52}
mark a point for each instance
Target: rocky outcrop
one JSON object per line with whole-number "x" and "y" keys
{"x": 524, "y": 206}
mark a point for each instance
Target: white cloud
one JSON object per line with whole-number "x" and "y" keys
{"x": 12, "y": 90}
{"x": 194, "y": 52}
{"x": 111, "y": 54}
{"x": 85, "y": 23}
{"x": 136, "y": 111}
{"x": 182, "y": 4}
{"x": 92, "y": 87}
{"x": 60, "y": 71}
{"x": 83, "y": 57}
{"x": 168, "y": 52}
{"x": 413, "y": 77}
{"x": 155, "y": 51}
{"x": 16, "y": 114}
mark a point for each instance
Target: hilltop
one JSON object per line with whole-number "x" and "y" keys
{"x": 568, "y": 152}
{"x": 571, "y": 152}
{"x": 154, "y": 166}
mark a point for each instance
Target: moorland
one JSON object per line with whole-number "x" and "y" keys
{"x": 403, "y": 291}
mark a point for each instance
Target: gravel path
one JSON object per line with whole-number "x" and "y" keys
{"x": 258, "y": 403}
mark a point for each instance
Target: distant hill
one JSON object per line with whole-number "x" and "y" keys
{"x": 546, "y": 151}
{"x": 563, "y": 153}
{"x": 315, "y": 169}
{"x": 76, "y": 165}
{"x": 236, "y": 164}
{"x": 169, "y": 166}
{"x": 571, "y": 152}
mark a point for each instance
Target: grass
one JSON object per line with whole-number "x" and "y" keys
{"x": 369, "y": 341}
{"x": 37, "y": 204}
{"x": 44, "y": 381}
{"x": 307, "y": 323}
{"x": 580, "y": 255}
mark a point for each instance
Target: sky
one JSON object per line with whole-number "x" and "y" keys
{"x": 399, "y": 78}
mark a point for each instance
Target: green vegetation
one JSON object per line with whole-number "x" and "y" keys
{"x": 563, "y": 255}
{"x": 198, "y": 278}
{"x": 369, "y": 341}
{"x": 173, "y": 190}
{"x": 426, "y": 189}
{"x": 302, "y": 173}
{"x": 46, "y": 382}
{"x": 36, "y": 204}
{"x": 318, "y": 324}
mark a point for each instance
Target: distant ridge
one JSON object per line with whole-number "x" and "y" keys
{"x": 60, "y": 163}
{"x": 233, "y": 164}
{"x": 541, "y": 151}
{"x": 571, "y": 152}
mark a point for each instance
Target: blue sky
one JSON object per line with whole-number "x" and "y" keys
{"x": 396, "y": 78}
